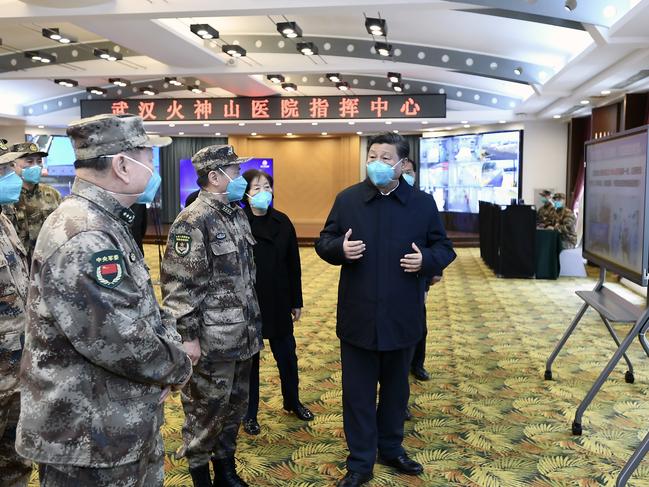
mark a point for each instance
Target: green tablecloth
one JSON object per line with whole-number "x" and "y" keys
{"x": 548, "y": 246}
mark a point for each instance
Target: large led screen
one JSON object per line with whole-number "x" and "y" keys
{"x": 462, "y": 170}
{"x": 614, "y": 204}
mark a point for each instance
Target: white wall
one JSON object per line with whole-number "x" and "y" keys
{"x": 12, "y": 129}
{"x": 545, "y": 155}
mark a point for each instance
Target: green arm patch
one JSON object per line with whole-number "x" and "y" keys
{"x": 108, "y": 268}
{"x": 182, "y": 244}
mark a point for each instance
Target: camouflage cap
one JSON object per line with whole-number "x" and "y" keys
{"x": 4, "y": 148}
{"x": 546, "y": 193}
{"x": 559, "y": 196}
{"x": 16, "y": 151}
{"x": 108, "y": 134}
{"x": 214, "y": 156}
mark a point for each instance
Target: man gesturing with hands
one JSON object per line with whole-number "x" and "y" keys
{"x": 390, "y": 242}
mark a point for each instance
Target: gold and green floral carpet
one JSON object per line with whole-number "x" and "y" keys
{"x": 487, "y": 418}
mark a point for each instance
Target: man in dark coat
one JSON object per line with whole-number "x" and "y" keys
{"x": 390, "y": 242}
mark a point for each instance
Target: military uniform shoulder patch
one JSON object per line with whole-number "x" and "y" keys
{"x": 108, "y": 268}
{"x": 127, "y": 215}
{"x": 182, "y": 244}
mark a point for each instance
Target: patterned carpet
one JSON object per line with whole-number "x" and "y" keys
{"x": 487, "y": 418}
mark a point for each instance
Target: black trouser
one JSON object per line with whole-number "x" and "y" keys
{"x": 419, "y": 354}
{"x": 283, "y": 349}
{"x": 368, "y": 427}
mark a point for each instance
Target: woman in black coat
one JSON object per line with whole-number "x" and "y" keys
{"x": 279, "y": 291}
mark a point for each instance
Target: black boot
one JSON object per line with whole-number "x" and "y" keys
{"x": 201, "y": 476}
{"x": 225, "y": 473}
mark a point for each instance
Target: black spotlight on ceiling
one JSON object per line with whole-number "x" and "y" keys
{"x": 68, "y": 83}
{"x": 275, "y": 78}
{"x": 204, "y": 31}
{"x": 289, "y": 87}
{"x": 289, "y": 29}
{"x": 121, "y": 82}
{"x": 173, "y": 81}
{"x": 54, "y": 34}
{"x": 342, "y": 86}
{"x": 376, "y": 27}
{"x": 570, "y": 5}
{"x": 196, "y": 89}
{"x": 95, "y": 90}
{"x": 383, "y": 48}
{"x": 108, "y": 56}
{"x": 394, "y": 77}
{"x": 307, "y": 48}
{"x": 234, "y": 50}
{"x": 398, "y": 87}
{"x": 334, "y": 77}
{"x": 149, "y": 91}
{"x": 518, "y": 70}
{"x": 40, "y": 57}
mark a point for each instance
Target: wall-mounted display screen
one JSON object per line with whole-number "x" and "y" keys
{"x": 462, "y": 170}
{"x": 188, "y": 175}
{"x": 615, "y": 204}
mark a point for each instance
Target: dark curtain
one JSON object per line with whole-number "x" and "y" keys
{"x": 170, "y": 156}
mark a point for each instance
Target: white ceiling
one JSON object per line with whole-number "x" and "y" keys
{"x": 580, "y": 62}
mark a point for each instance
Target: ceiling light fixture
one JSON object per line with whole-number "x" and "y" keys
{"x": 108, "y": 56}
{"x": 334, "y": 77}
{"x": 383, "y": 48}
{"x": 570, "y": 5}
{"x": 394, "y": 77}
{"x": 289, "y": 86}
{"x": 289, "y": 134}
{"x": 68, "y": 83}
{"x": 275, "y": 78}
{"x": 289, "y": 29}
{"x": 119, "y": 82}
{"x": 54, "y": 34}
{"x": 376, "y": 27}
{"x": 556, "y": 116}
{"x": 307, "y": 48}
{"x": 204, "y": 31}
{"x": 398, "y": 87}
{"x": 149, "y": 91}
{"x": 584, "y": 102}
{"x": 95, "y": 90}
{"x": 518, "y": 70}
{"x": 323, "y": 133}
{"x": 253, "y": 133}
{"x": 173, "y": 81}
{"x": 606, "y": 92}
{"x": 40, "y": 57}
{"x": 196, "y": 89}
{"x": 234, "y": 50}
{"x": 342, "y": 86}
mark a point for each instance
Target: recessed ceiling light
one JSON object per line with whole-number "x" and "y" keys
{"x": 217, "y": 134}
{"x": 106, "y": 55}
{"x": 119, "y": 82}
{"x": 206, "y": 125}
{"x": 290, "y": 87}
{"x": 334, "y": 77}
{"x": 464, "y": 121}
{"x": 424, "y": 122}
{"x": 388, "y": 123}
{"x": 395, "y": 131}
{"x": 570, "y": 5}
{"x": 173, "y": 81}
{"x": 351, "y": 122}
{"x": 323, "y": 133}
{"x": 359, "y": 133}
{"x": 467, "y": 126}
{"x": 204, "y": 31}
{"x": 314, "y": 123}
{"x": 518, "y": 70}
{"x": 307, "y": 48}
{"x": 289, "y": 134}
{"x": 41, "y": 126}
{"x": 68, "y": 83}
{"x": 181, "y": 133}
{"x": 234, "y": 50}
{"x": 342, "y": 86}
{"x": 275, "y": 78}
{"x": 172, "y": 125}
{"x": 556, "y": 116}
{"x": 278, "y": 123}
{"x": 242, "y": 124}
{"x": 95, "y": 90}
{"x": 54, "y": 34}
{"x": 502, "y": 121}
{"x": 383, "y": 48}
{"x": 606, "y": 92}
{"x": 584, "y": 102}
{"x": 289, "y": 29}
{"x": 253, "y": 133}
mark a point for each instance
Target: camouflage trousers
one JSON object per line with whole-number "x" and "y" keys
{"x": 14, "y": 469}
{"x": 147, "y": 472}
{"x": 214, "y": 402}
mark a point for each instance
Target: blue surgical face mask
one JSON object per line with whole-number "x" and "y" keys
{"x": 261, "y": 200}
{"x": 410, "y": 179}
{"x": 236, "y": 187}
{"x": 10, "y": 186}
{"x": 558, "y": 205}
{"x": 544, "y": 200}
{"x": 381, "y": 173}
{"x": 32, "y": 174}
{"x": 151, "y": 188}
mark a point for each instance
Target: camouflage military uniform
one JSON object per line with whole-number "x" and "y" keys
{"x": 546, "y": 215}
{"x": 30, "y": 212}
{"x": 14, "y": 470}
{"x": 566, "y": 224}
{"x": 98, "y": 352}
{"x": 207, "y": 278}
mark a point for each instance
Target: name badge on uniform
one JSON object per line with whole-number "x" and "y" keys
{"x": 182, "y": 244}
{"x": 227, "y": 210}
{"x": 108, "y": 268}
{"x": 220, "y": 236}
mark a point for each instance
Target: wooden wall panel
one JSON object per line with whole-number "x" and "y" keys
{"x": 309, "y": 172}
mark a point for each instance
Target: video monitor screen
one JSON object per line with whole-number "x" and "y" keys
{"x": 188, "y": 175}
{"x": 462, "y": 170}
{"x": 614, "y": 203}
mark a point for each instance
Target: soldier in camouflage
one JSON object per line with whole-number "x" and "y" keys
{"x": 207, "y": 277}
{"x": 99, "y": 356}
{"x": 37, "y": 200}
{"x": 14, "y": 470}
{"x": 565, "y": 223}
{"x": 546, "y": 215}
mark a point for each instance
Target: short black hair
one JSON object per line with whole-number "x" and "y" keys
{"x": 414, "y": 164}
{"x": 250, "y": 175}
{"x": 102, "y": 163}
{"x": 203, "y": 180}
{"x": 401, "y": 144}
